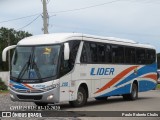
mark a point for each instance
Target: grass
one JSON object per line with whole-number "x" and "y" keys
{"x": 4, "y": 91}
{"x": 158, "y": 86}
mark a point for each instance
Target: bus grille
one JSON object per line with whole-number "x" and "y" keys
{"x": 26, "y": 91}
{"x": 33, "y": 97}
{"x": 31, "y": 91}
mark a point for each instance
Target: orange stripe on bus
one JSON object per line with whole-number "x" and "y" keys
{"x": 152, "y": 76}
{"x": 117, "y": 78}
{"x": 28, "y": 86}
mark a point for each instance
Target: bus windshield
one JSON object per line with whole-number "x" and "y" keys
{"x": 36, "y": 62}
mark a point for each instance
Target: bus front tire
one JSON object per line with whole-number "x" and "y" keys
{"x": 41, "y": 104}
{"x": 81, "y": 98}
{"x": 133, "y": 95}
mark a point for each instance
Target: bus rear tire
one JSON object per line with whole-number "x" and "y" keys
{"x": 133, "y": 95}
{"x": 81, "y": 98}
{"x": 41, "y": 104}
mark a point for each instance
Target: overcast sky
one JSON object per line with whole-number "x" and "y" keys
{"x": 138, "y": 20}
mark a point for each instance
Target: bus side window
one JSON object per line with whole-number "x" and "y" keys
{"x": 140, "y": 56}
{"x": 129, "y": 55}
{"x": 117, "y": 54}
{"x": 150, "y": 56}
{"x": 93, "y": 51}
{"x": 85, "y": 54}
{"x": 64, "y": 65}
{"x": 101, "y": 53}
{"x": 67, "y": 65}
{"x": 74, "y": 45}
{"x": 133, "y": 56}
{"x": 108, "y": 54}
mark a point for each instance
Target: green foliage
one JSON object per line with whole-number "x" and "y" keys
{"x": 158, "y": 60}
{"x": 2, "y": 85}
{"x": 15, "y": 37}
{"x": 158, "y": 86}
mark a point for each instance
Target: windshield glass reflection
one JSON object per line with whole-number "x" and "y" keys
{"x": 35, "y": 62}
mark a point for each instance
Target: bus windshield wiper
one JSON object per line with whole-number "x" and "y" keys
{"x": 25, "y": 67}
{"x": 30, "y": 65}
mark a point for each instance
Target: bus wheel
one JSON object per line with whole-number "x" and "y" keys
{"x": 81, "y": 98}
{"x": 133, "y": 95}
{"x": 41, "y": 104}
{"x": 102, "y": 98}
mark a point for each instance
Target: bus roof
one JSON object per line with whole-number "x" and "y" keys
{"x": 63, "y": 37}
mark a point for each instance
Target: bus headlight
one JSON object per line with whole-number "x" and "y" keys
{"x": 53, "y": 86}
{"x": 50, "y": 97}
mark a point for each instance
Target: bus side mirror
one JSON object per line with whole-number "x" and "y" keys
{"x": 4, "y": 53}
{"x": 66, "y": 51}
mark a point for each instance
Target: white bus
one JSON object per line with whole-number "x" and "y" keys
{"x": 73, "y": 67}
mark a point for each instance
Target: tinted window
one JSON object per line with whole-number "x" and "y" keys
{"x": 108, "y": 54}
{"x": 101, "y": 53}
{"x": 93, "y": 52}
{"x": 129, "y": 55}
{"x": 84, "y": 57}
{"x": 140, "y": 56}
{"x": 74, "y": 45}
{"x": 117, "y": 54}
{"x": 150, "y": 56}
{"x": 67, "y": 65}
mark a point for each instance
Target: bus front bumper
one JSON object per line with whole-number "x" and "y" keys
{"x": 50, "y": 96}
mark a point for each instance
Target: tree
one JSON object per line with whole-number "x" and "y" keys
{"x": 9, "y": 37}
{"x": 158, "y": 60}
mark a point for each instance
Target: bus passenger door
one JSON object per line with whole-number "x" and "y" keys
{"x": 64, "y": 87}
{"x": 65, "y": 70}
{"x": 65, "y": 77}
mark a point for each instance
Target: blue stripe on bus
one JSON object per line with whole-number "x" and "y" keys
{"x": 122, "y": 90}
{"x": 144, "y": 70}
{"x": 18, "y": 85}
{"x": 146, "y": 85}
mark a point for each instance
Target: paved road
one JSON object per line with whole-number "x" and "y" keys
{"x": 148, "y": 101}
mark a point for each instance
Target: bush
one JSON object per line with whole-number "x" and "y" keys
{"x": 2, "y": 85}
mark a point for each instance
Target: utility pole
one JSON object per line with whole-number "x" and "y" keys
{"x": 9, "y": 59}
{"x": 45, "y": 17}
